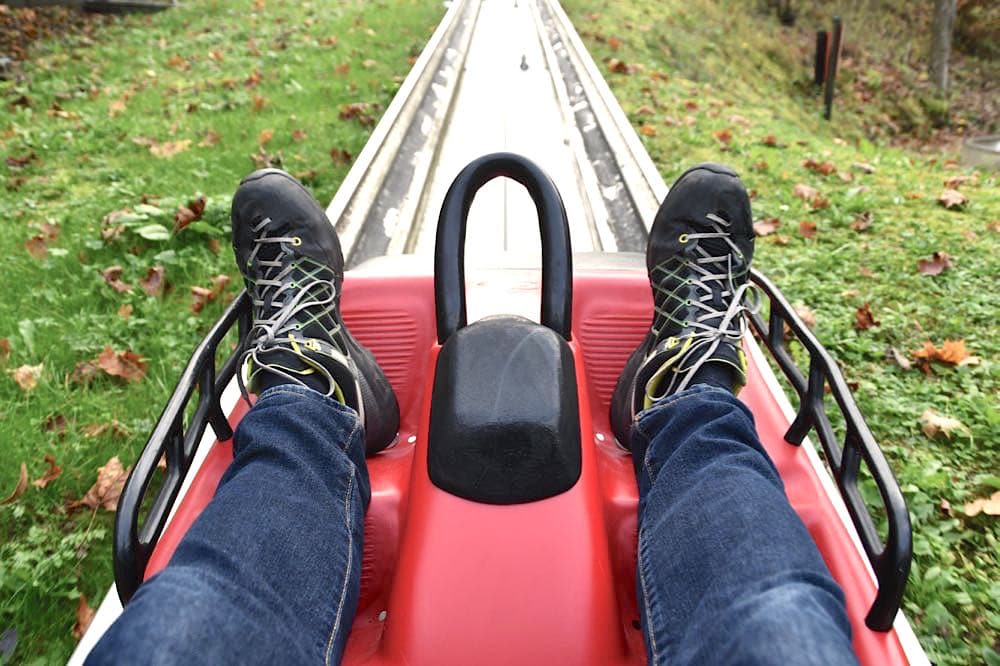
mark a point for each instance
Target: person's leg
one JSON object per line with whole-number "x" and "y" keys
{"x": 269, "y": 573}
{"x": 727, "y": 572}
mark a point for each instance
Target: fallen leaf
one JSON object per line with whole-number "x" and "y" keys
{"x": 937, "y": 264}
{"x": 106, "y": 490}
{"x": 723, "y": 136}
{"x": 614, "y": 43}
{"x": 994, "y": 226}
{"x": 737, "y": 119}
{"x": 265, "y": 136}
{"x": 760, "y": 166}
{"x": 168, "y": 149}
{"x": 22, "y": 161}
{"x": 37, "y": 246}
{"x": 117, "y": 107}
{"x": 864, "y": 319}
{"x": 152, "y": 284}
{"x": 201, "y": 296}
{"x": 914, "y": 196}
{"x": 340, "y": 156}
{"x": 54, "y": 423}
{"x": 770, "y": 141}
{"x": 864, "y": 167}
{"x": 780, "y": 239}
{"x": 51, "y": 474}
{"x": 125, "y": 311}
{"x": 127, "y": 364}
{"x": 27, "y": 376}
{"x": 825, "y": 168}
{"x": 807, "y": 229}
{"x": 262, "y": 159}
{"x": 299, "y": 135}
{"x": 898, "y": 357}
{"x": 934, "y": 424}
{"x": 804, "y": 192}
{"x": 214, "y": 246}
{"x": 359, "y": 111}
{"x": 952, "y": 199}
{"x": 114, "y": 428}
{"x": 22, "y": 485}
{"x": 84, "y": 616}
{"x": 211, "y": 138}
{"x": 862, "y": 221}
{"x": 342, "y": 69}
{"x": 4, "y": 349}
{"x": 369, "y": 63}
{"x": 178, "y": 62}
{"x": 766, "y": 226}
{"x": 253, "y": 80}
{"x": 806, "y": 314}
{"x": 647, "y": 130}
{"x": 616, "y": 66}
{"x": 956, "y": 182}
{"x": 945, "y": 507}
{"x": 112, "y": 277}
{"x": 185, "y": 215}
{"x": 991, "y": 506}
{"x": 846, "y": 176}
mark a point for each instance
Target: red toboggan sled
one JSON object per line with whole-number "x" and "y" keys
{"x": 503, "y": 557}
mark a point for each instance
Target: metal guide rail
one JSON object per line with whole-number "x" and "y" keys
{"x": 512, "y": 76}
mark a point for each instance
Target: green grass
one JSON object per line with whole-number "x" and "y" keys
{"x": 749, "y": 77}
{"x": 185, "y": 74}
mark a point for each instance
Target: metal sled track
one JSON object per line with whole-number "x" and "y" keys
{"x": 504, "y": 75}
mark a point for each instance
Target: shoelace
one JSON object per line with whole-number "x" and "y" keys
{"x": 277, "y": 320}
{"x": 730, "y": 325}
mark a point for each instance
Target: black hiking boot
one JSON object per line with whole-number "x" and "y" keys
{"x": 698, "y": 258}
{"x": 290, "y": 257}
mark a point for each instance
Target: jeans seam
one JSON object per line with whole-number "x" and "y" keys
{"x": 651, "y": 634}
{"x": 347, "y": 573}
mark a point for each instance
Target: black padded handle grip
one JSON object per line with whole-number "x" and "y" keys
{"x": 449, "y": 251}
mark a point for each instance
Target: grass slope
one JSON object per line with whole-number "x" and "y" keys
{"x": 211, "y": 81}
{"x": 712, "y": 81}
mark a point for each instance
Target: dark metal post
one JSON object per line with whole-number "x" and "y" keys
{"x": 822, "y": 48}
{"x": 831, "y": 68}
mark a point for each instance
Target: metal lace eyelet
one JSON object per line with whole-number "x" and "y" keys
{"x": 683, "y": 238}
{"x": 296, "y": 241}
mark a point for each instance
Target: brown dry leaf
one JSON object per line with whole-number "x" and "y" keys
{"x": 253, "y": 80}
{"x": 804, "y": 192}
{"x": 211, "y": 138}
{"x": 54, "y": 423}
{"x": 614, "y": 43}
{"x": 27, "y": 376}
{"x": 825, "y": 168}
{"x": 51, "y": 474}
{"x": 263, "y": 159}
{"x": 127, "y": 364}
{"x": 779, "y": 239}
{"x": 340, "y": 156}
{"x": 723, "y": 136}
{"x": 37, "y": 246}
{"x": 952, "y": 199}
{"x": 770, "y": 141}
{"x": 807, "y": 229}
{"x": 117, "y": 107}
{"x": 265, "y": 136}
{"x": 4, "y": 349}
{"x": 178, "y": 62}
{"x": 616, "y": 66}
{"x": 369, "y": 63}
{"x": 112, "y": 277}
{"x": 125, "y": 311}
{"x": 185, "y": 215}
{"x": 168, "y": 149}
{"x": 766, "y": 226}
{"x": 898, "y": 357}
{"x": 862, "y": 221}
{"x": 863, "y": 167}
{"x": 737, "y": 119}
{"x": 106, "y": 490}
{"x": 806, "y": 314}
{"x": 299, "y": 135}
{"x": 951, "y": 352}
{"x": 991, "y": 506}
{"x": 22, "y": 161}
{"x": 114, "y": 428}
{"x": 647, "y": 130}
{"x": 937, "y": 264}
{"x": 934, "y": 424}
{"x": 956, "y": 182}
{"x": 214, "y": 246}
{"x": 864, "y": 319}
{"x": 359, "y": 111}
{"x": 202, "y": 296}
{"x": 84, "y": 616}
{"x": 342, "y": 69}
{"x": 22, "y": 485}
{"x": 152, "y": 284}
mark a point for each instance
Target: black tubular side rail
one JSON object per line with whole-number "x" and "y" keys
{"x": 889, "y": 560}
{"x": 133, "y": 544}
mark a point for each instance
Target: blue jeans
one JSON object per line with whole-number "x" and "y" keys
{"x": 270, "y": 572}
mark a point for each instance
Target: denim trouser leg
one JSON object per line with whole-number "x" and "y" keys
{"x": 270, "y": 571}
{"x": 728, "y": 573}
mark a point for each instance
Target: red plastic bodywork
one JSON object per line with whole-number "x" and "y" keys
{"x": 449, "y": 581}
